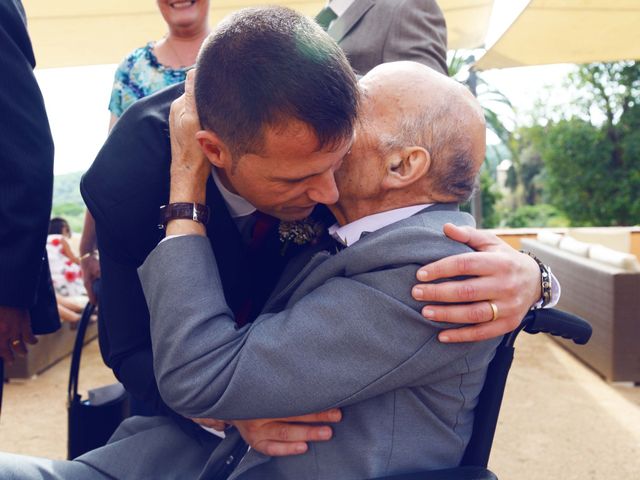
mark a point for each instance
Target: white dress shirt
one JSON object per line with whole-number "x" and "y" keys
{"x": 351, "y": 232}
{"x": 237, "y": 205}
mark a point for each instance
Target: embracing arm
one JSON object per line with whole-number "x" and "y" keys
{"x": 498, "y": 274}
{"x": 287, "y": 363}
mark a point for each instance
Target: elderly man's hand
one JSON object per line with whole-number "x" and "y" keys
{"x": 502, "y": 276}
{"x": 15, "y": 332}
{"x": 190, "y": 168}
{"x": 219, "y": 425}
{"x": 278, "y": 437}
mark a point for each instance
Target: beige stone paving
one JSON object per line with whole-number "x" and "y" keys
{"x": 559, "y": 420}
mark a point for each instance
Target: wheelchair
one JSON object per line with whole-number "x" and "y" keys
{"x": 476, "y": 456}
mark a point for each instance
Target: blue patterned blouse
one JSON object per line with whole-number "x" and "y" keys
{"x": 140, "y": 74}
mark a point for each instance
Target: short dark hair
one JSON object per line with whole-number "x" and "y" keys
{"x": 57, "y": 225}
{"x": 264, "y": 66}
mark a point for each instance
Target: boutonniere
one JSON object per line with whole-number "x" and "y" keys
{"x": 299, "y": 232}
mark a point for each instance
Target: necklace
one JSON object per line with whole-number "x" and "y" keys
{"x": 182, "y": 63}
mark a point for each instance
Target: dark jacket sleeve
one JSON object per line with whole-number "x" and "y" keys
{"x": 26, "y": 164}
{"x": 123, "y": 189}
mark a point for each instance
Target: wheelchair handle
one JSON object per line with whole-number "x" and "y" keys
{"x": 558, "y": 324}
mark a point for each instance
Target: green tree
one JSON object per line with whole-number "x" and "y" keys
{"x": 541, "y": 215}
{"x": 593, "y": 167}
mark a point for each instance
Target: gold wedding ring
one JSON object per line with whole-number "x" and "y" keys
{"x": 494, "y": 309}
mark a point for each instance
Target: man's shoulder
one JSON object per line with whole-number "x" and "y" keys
{"x": 418, "y": 239}
{"x": 137, "y": 145}
{"x": 423, "y": 228}
{"x": 129, "y": 179}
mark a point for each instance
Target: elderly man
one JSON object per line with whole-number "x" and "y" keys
{"x": 343, "y": 329}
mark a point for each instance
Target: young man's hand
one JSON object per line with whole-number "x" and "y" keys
{"x": 504, "y": 277}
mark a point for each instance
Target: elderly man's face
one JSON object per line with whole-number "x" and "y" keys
{"x": 364, "y": 167}
{"x": 290, "y": 176}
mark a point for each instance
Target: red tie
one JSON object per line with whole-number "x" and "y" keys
{"x": 261, "y": 229}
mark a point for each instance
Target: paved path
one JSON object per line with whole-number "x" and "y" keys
{"x": 559, "y": 420}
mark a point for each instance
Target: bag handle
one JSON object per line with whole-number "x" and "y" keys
{"x": 72, "y": 391}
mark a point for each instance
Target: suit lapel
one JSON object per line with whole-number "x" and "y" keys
{"x": 347, "y": 21}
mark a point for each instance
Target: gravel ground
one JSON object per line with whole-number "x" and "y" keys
{"x": 559, "y": 420}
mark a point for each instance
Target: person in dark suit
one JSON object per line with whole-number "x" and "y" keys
{"x": 372, "y": 32}
{"x": 129, "y": 181}
{"x": 27, "y": 300}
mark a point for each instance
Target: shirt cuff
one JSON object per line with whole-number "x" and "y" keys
{"x": 172, "y": 236}
{"x": 556, "y": 290}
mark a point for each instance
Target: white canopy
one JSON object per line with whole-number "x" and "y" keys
{"x": 82, "y": 32}
{"x": 568, "y": 31}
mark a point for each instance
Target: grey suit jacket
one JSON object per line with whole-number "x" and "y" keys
{"x": 372, "y": 32}
{"x": 344, "y": 333}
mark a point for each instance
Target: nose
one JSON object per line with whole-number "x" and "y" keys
{"x": 324, "y": 189}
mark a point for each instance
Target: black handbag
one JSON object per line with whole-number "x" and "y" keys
{"x": 91, "y": 421}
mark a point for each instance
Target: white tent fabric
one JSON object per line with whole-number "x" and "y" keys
{"x": 81, "y": 32}
{"x": 467, "y": 22}
{"x": 568, "y": 31}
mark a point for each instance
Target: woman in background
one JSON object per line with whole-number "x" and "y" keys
{"x": 164, "y": 62}
{"x": 144, "y": 71}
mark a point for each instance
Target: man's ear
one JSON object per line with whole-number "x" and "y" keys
{"x": 406, "y": 167}
{"x": 214, "y": 148}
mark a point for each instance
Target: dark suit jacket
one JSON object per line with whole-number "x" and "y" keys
{"x": 26, "y": 176}
{"x": 124, "y": 189}
{"x": 372, "y": 32}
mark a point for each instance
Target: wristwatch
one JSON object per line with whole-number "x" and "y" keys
{"x": 183, "y": 211}
{"x": 545, "y": 280}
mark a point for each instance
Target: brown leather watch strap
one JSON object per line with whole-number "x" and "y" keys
{"x": 183, "y": 210}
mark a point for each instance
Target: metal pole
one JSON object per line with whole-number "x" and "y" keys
{"x": 476, "y": 199}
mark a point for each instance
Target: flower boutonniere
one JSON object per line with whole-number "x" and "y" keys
{"x": 299, "y": 232}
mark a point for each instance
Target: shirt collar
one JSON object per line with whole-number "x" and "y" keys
{"x": 339, "y": 6}
{"x": 237, "y": 206}
{"x": 352, "y": 232}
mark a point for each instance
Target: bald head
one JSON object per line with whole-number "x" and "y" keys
{"x": 420, "y": 138}
{"x": 424, "y": 108}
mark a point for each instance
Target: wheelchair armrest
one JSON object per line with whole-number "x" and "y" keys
{"x": 458, "y": 473}
{"x": 558, "y": 324}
